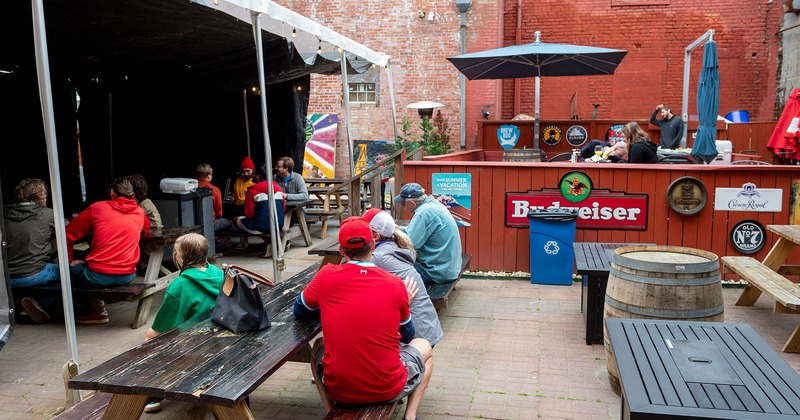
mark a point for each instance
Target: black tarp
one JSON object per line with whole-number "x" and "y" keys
{"x": 161, "y": 85}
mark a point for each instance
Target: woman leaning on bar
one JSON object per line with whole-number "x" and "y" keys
{"x": 640, "y": 148}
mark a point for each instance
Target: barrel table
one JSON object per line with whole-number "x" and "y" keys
{"x": 661, "y": 282}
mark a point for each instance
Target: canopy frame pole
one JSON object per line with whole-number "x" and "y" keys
{"x": 391, "y": 97}
{"x": 346, "y": 102}
{"x": 277, "y": 252}
{"x": 246, "y": 120}
{"x": 462, "y": 83}
{"x": 687, "y": 63}
{"x": 46, "y": 99}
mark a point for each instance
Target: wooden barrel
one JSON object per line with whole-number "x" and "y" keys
{"x": 522, "y": 155}
{"x": 661, "y": 282}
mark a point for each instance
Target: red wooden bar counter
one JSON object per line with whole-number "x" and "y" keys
{"x": 496, "y": 247}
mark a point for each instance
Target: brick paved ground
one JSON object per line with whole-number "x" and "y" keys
{"x": 512, "y": 350}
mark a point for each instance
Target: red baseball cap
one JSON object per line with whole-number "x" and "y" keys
{"x": 371, "y": 213}
{"x": 355, "y": 233}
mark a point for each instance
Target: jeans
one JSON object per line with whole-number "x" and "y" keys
{"x": 82, "y": 276}
{"x": 222, "y": 224}
{"x": 49, "y": 273}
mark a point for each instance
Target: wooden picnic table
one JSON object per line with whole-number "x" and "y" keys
{"x": 708, "y": 370}
{"x": 768, "y": 277}
{"x": 202, "y": 363}
{"x": 593, "y": 264}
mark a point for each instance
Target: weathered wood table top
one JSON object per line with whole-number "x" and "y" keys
{"x": 201, "y": 362}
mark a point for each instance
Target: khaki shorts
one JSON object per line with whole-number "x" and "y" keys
{"x": 415, "y": 367}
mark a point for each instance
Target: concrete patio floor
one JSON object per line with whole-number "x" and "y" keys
{"x": 512, "y": 350}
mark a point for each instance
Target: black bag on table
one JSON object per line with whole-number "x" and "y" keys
{"x": 239, "y": 306}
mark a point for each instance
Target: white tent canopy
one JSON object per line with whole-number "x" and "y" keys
{"x": 282, "y": 21}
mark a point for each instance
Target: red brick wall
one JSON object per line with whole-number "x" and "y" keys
{"x": 655, "y": 36}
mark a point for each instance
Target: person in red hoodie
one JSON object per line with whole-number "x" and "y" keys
{"x": 116, "y": 226}
{"x": 256, "y": 219}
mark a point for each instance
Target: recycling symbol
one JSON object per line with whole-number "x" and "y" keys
{"x": 551, "y": 247}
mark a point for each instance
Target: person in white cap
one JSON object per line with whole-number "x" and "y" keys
{"x": 434, "y": 233}
{"x": 395, "y": 254}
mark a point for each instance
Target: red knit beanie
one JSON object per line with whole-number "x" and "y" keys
{"x": 248, "y": 163}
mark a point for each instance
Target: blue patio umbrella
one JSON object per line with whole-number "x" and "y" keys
{"x": 536, "y": 60}
{"x": 705, "y": 148}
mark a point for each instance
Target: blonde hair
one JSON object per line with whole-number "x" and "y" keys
{"x": 634, "y": 134}
{"x": 191, "y": 250}
{"x": 403, "y": 241}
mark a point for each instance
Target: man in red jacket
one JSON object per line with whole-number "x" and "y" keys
{"x": 116, "y": 226}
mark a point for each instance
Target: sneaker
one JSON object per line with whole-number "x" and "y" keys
{"x": 93, "y": 317}
{"x": 34, "y": 311}
{"x": 242, "y": 245}
{"x": 153, "y": 407}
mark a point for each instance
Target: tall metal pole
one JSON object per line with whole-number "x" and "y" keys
{"x": 463, "y": 6}
{"x": 346, "y": 101}
{"x": 46, "y": 98}
{"x": 687, "y": 63}
{"x": 277, "y": 252}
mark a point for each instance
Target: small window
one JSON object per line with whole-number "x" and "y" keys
{"x": 362, "y": 93}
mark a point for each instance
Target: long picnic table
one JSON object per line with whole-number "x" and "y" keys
{"x": 202, "y": 363}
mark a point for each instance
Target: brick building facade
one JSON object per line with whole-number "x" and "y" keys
{"x": 419, "y": 35}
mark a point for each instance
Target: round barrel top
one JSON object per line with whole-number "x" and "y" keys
{"x": 666, "y": 257}
{"x": 670, "y": 259}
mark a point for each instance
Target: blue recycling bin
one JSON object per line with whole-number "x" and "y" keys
{"x": 552, "y": 253}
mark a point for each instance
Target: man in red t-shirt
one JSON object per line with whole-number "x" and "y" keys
{"x": 365, "y": 315}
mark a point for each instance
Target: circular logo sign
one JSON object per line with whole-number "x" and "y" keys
{"x": 687, "y": 195}
{"x": 576, "y": 135}
{"x": 614, "y": 134}
{"x": 575, "y": 186}
{"x": 748, "y": 236}
{"x": 551, "y": 135}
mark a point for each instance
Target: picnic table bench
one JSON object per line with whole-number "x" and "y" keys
{"x": 202, "y": 363}
{"x": 766, "y": 277}
{"x": 141, "y": 289}
{"x": 329, "y": 250}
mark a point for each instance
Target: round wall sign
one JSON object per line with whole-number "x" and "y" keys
{"x": 614, "y": 134}
{"x": 551, "y": 135}
{"x": 575, "y": 186}
{"x": 687, "y": 195}
{"x": 748, "y": 236}
{"x": 576, "y": 135}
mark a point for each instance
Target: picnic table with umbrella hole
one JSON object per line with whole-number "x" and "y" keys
{"x": 536, "y": 60}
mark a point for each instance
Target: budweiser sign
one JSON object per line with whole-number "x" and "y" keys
{"x": 602, "y": 209}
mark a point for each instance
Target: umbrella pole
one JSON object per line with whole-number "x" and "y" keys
{"x": 536, "y": 118}
{"x": 46, "y": 98}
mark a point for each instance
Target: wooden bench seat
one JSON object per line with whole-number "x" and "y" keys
{"x": 381, "y": 411}
{"x": 440, "y": 291}
{"x": 88, "y": 409}
{"x": 762, "y": 279}
{"x": 135, "y": 291}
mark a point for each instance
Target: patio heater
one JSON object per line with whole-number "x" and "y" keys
{"x": 425, "y": 108}
{"x": 463, "y": 6}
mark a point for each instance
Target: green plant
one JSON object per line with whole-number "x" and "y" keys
{"x": 435, "y": 139}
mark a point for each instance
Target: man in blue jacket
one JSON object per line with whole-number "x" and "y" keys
{"x": 434, "y": 233}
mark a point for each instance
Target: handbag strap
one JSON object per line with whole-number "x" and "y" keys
{"x": 258, "y": 278}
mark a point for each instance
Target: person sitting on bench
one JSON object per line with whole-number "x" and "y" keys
{"x": 31, "y": 233}
{"x": 395, "y": 254}
{"x": 367, "y": 353}
{"x": 116, "y": 226}
{"x": 434, "y": 233}
{"x": 193, "y": 292}
{"x": 256, "y": 219}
